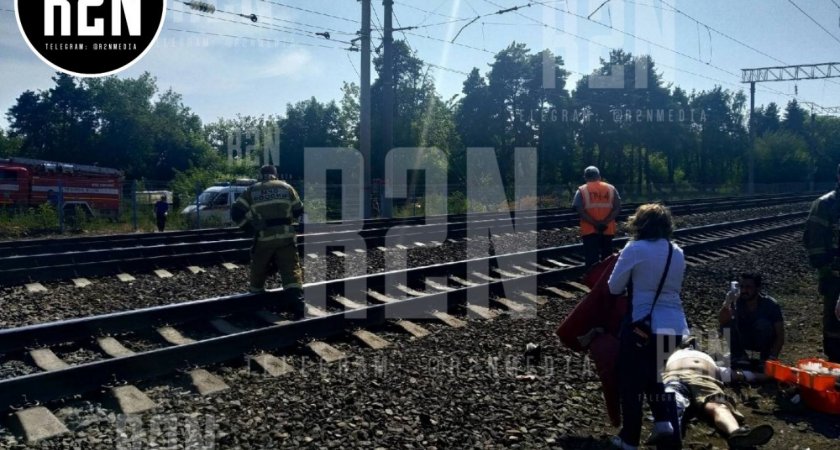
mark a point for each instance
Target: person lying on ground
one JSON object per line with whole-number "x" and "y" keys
{"x": 697, "y": 383}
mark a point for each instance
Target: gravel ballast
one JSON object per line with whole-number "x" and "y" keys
{"x": 458, "y": 388}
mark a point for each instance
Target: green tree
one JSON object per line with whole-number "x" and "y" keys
{"x": 514, "y": 106}
{"x": 246, "y": 140}
{"x": 349, "y": 115}
{"x": 111, "y": 121}
{"x": 9, "y": 146}
{"x": 795, "y": 118}
{"x": 420, "y": 117}
{"x": 782, "y": 157}
{"x": 309, "y": 123}
{"x": 59, "y": 123}
{"x": 767, "y": 119}
{"x": 723, "y": 137}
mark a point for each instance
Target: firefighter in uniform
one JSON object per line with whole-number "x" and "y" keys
{"x": 269, "y": 210}
{"x": 820, "y": 239}
{"x": 598, "y": 204}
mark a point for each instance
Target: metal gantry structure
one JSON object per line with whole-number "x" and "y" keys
{"x": 779, "y": 73}
{"x": 824, "y": 110}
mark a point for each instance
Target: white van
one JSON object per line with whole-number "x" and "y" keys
{"x": 214, "y": 204}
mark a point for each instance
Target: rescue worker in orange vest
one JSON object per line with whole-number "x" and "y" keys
{"x": 598, "y": 204}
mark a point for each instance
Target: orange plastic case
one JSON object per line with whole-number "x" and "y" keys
{"x": 818, "y": 391}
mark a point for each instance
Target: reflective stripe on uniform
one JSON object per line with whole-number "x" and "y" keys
{"x": 273, "y": 237}
{"x": 270, "y": 202}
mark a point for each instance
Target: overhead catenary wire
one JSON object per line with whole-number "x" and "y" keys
{"x": 210, "y": 9}
{"x": 250, "y": 38}
{"x": 255, "y": 25}
{"x": 352, "y": 64}
{"x": 813, "y": 20}
{"x": 737, "y": 41}
{"x": 540, "y": 24}
{"x": 433, "y": 13}
{"x": 727, "y": 36}
{"x": 298, "y": 8}
{"x": 677, "y": 52}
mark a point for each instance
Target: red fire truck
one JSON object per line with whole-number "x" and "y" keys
{"x": 30, "y": 182}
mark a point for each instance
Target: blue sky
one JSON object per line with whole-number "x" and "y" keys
{"x": 230, "y": 66}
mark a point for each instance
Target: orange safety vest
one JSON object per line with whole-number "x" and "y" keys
{"x": 597, "y": 198}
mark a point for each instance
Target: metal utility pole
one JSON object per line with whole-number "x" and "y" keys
{"x": 779, "y": 73}
{"x": 751, "y": 149}
{"x": 364, "y": 104}
{"x": 388, "y": 88}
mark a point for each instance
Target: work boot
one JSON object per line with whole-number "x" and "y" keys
{"x": 298, "y": 306}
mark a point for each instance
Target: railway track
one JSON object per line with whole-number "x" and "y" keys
{"x": 47, "y": 260}
{"x": 253, "y": 324}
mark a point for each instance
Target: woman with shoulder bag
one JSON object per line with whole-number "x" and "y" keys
{"x": 654, "y": 326}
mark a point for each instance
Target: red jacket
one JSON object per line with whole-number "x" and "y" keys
{"x": 599, "y": 309}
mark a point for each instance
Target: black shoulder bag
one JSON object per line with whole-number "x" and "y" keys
{"x": 642, "y": 329}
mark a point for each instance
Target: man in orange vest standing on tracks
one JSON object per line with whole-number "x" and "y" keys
{"x": 598, "y": 204}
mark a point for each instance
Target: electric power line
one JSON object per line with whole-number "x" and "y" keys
{"x": 378, "y": 23}
{"x": 236, "y": 36}
{"x": 424, "y": 36}
{"x": 254, "y": 25}
{"x": 311, "y": 11}
{"x": 433, "y": 13}
{"x": 623, "y": 32}
{"x": 353, "y": 64}
{"x": 538, "y": 23}
{"x": 708, "y": 27}
{"x": 721, "y": 32}
{"x": 812, "y": 20}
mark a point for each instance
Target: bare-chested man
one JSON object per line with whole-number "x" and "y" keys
{"x": 697, "y": 382}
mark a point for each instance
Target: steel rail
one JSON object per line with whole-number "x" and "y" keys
{"x": 76, "y": 244}
{"x": 52, "y": 266}
{"x": 49, "y": 386}
{"x": 75, "y": 329}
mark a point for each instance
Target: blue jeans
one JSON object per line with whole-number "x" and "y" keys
{"x": 639, "y": 370}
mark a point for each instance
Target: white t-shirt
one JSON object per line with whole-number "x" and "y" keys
{"x": 644, "y": 262}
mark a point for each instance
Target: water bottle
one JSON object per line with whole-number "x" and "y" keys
{"x": 734, "y": 291}
{"x": 734, "y": 288}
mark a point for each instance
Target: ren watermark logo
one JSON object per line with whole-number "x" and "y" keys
{"x": 90, "y": 38}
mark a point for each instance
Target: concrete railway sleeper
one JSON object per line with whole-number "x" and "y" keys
{"x": 356, "y": 307}
{"x": 78, "y": 244}
{"x": 228, "y": 245}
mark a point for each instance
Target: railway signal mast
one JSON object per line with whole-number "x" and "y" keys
{"x": 779, "y": 73}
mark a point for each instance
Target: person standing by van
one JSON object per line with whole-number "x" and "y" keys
{"x": 161, "y": 211}
{"x": 269, "y": 210}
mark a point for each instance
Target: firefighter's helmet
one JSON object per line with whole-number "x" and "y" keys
{"x": 268, "y": 170}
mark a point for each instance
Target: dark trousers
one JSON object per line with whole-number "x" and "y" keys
{"x": 758, "y": 337}
{"x": 830, "y": 289}
{"x": 639, "y": 370}
{"x": 597, "y": 247}
{"x": 161, "y": 222}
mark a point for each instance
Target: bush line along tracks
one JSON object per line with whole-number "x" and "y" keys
{"x": 439, "y": 292}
